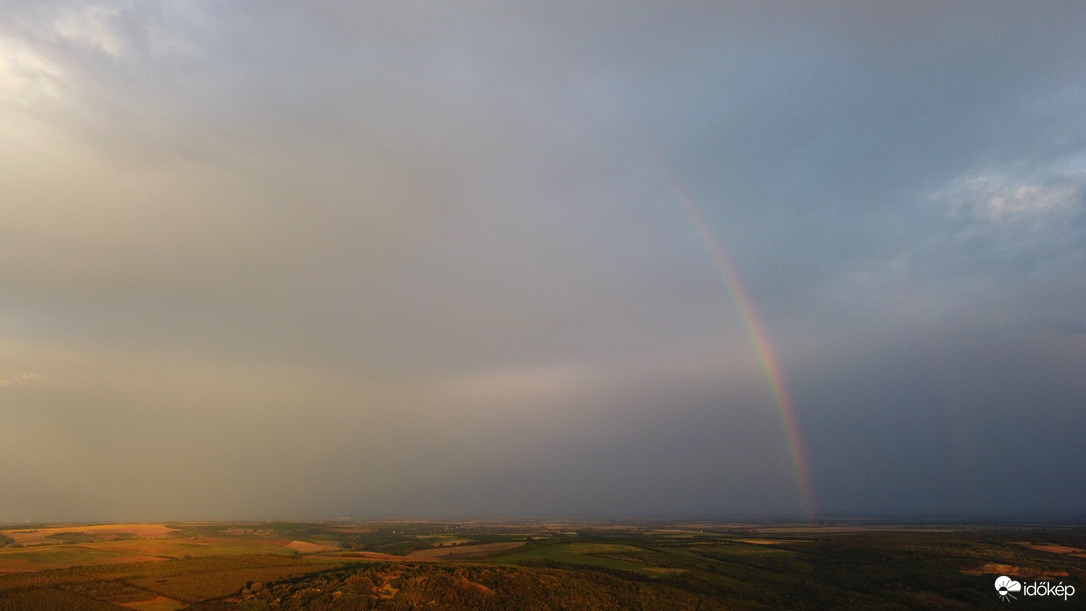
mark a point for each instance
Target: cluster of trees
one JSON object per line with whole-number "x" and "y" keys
{"x": 73, "y": 537}
{"x": 463, "y": 586}
{"x": 385, "y": 541}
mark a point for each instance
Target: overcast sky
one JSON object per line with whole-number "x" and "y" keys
{"x": 447, "y": 260}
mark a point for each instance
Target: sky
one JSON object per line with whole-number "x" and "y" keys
{"x": 607, "y": 260}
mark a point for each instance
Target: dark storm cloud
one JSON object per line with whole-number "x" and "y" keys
{"x": 339, "y": 259}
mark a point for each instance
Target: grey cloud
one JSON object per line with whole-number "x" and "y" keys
{"x": 289, "y": 242}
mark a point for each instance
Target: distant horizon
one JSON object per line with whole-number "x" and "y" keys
{"x": 1045, "y": 520}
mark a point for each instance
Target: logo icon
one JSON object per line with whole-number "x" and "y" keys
{"x": 1005, "y": 585}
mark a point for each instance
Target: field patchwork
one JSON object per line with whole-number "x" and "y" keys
{"x": 283, "y": 565}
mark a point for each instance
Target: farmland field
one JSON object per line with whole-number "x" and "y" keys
{"x": 383, "y": 565}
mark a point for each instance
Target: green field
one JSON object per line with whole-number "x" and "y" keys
{"x": 58, "y": 555}
{"x": 606, "y": 555}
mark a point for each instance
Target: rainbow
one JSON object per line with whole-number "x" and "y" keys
{"x": 755, "y": 330}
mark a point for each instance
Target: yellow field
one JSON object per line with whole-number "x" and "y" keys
{"x": 1055, "y": 549}
{"x": 305, "y": 547}
{"x": 40, "y": 549}
{"x": 105, "y": 532}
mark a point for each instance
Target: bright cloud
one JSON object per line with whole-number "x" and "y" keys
{"x": 93, "y": 27}
{"x": 1002, "y": 199}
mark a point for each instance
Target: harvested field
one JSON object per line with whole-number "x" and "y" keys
{"x": 98, "y": 532}
{"x": 305, "y": 547}
{"x": 59, "y": 556}
{"x": 1055, "y": 549}
{"x": 18, "y": 566}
